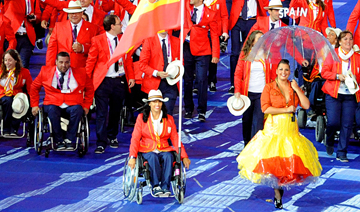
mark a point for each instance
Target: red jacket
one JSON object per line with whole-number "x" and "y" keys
{"x": 237, "y": 6}
{"x": 328, "y": 72}
{"x": 199, "y": 40}
{"x": 15, "y": 11}
{"x": 319, "y": 24}
{"x": 53, "y": 96}
{"x": 6, "y": 32}
{"x": 24, "y": 79}
{"x": 143, "y": 137}
{"x": 61, "y": 40}
{"x": 151, "y": 58}
{"x": 243, "y": 71}
{"x": 104, "y": 5}
{"x": 99, "y": 55}
{"x": 330, "y": 13}
{"x": 126, "y": 5}
{"x": 219, "y": 6}
{"x": 352, "y": 22}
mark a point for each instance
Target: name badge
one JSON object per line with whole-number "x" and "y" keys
{"x": 65, "y": 91}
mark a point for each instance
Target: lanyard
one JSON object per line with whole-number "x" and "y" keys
{"x": 28, "y": 7}
{"x": 109, "y": 43}
{"x": 58, "y": 80}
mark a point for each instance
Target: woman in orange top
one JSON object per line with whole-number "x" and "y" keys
{"x": 279, "y": 156}
{"x": 13, "y": 78}
{"x": 250, "y": 79}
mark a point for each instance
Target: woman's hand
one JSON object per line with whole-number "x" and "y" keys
{"x": 295, "y": 86}
{"x": 237, "y": 95}
{"x": 291, "y": 109}
{"x": 341, "y": 77}
{"x": 131, "y": 163}
{"x": 186, "y": 162}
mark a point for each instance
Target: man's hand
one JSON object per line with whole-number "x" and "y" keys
{"x": 237, "y": 95}
{"x": 186, "y": 162}
{"x": 86, "y": 110}
{"x": 77, "y": 47}
{"x": 44, "y": 24}
{"x": 341, "y": 77}
{"x": 225, "y": 35}
{"x": 131, "y": 163}
{"x": 131, "y": 83}
{"x": 215, "y": 60}
{"x": 35, "y": 110}
{"x": 33, "y": 19}
{"x": 305, "y": 63}
{"x": 162, "y": 74}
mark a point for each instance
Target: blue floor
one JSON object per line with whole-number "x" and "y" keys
{"x": 65, "y": 182}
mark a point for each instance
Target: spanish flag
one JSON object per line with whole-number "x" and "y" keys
{"x": 150, "y": 17}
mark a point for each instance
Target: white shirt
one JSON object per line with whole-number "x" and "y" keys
{"x": 168, "y": 49}
{"x": 126, "y": 18}
{"x": 252, "y": 8}
{"x": 277, "y": 23}
{"x": 111, "y": 71}
{"x": 343, "y": 89}
{"x": 257, "y": 77}
{"x": 22, "y": 29}
{"x": 78, "y": 26}
{"x": 89, "y": 12}
{"x": 199, "y": 13}
{"x": 158, "y": 127}
{"x": 69, "y": 87}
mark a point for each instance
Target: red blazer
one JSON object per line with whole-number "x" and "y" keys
{"x": 237, "y": 6}
{"x": 328, "y": 72}
{"x": 126, "y": 5}
{"x": 199, "y": 40}
{"x": 330, "y": 13}
{"x": 61, "y": 40}
{"x": 219, "y": 6}
{"x": 319, "y": 24}
{"x": 24, "y": 79}
{"x": 99, "y": 55}
{"x": 151, "y": 58}
{"x": 352, "y": 22}
{"x": 105, "y": 5}
{"x": 7, "y": 32}
{"x": 143, "y": 137}
{"x": 243, "y": 71}
{"x": 54, "y": 96}
{"x": 15, "y": 11}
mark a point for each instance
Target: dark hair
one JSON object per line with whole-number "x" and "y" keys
{"x": 15, "y": 55}
{"x": 62, "y": 54}
{"x": 249, "y": 43}
{"x": 146, "y": 112}
{"x": 319, "y": 2}
{"x": 342, "y": 34}
{"x": 86, "y": 17}
{"x": 283, "y": 61}
{"x": 108, "y": 21}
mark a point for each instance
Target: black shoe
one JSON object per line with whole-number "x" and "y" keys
{"x": 201, "y": 117}
{"x": 212, "y": 87}
{"x": 231, "y": 90}
{"x": 39, "y": 44}
{"x": 278, "y": 203}
{"x": 188, "y": 115}
{"x": 99, "y": 150}
{"x": 114, "y": 143}
{"x": 60, "y": 146}
{"x": 329, "y": 150}
{"x": 195, "y": 91}
{"x": 343, "y": 159}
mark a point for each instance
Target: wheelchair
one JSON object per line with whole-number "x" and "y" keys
{"x": 135, "y": 180}
{"x": 42, "y": 126}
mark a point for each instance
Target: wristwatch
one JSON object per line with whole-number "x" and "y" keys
{"x": 337, "y": 76}
{"x": 132, "y": 157}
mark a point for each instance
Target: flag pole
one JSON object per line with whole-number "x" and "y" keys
{"x": 182, "y": 9}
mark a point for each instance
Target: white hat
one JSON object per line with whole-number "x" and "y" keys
{"x": 237, "y": 106}
{"x": 20, "y": 105}
{"x": 274, "y": 4}
{"x": 47, "y": 39}
{"x": 351, "y": 83}
{"x": 74, "y": 7}
{"x": 356, "y": 48}
{"x": 336, "y": 30}
{"x": 155, "y": 95}
{"x": 175, "y": 69}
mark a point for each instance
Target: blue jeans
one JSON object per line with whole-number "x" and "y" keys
{"x": 160, "y": 168}
{"x": 253, "y": 118}
{"x": 171, "y": 92}
{"x": 11, "y": 124}
{"x": 340, "y": 113}
{"x": 55, "y": 113}
{"x": 25, "y": 48}
{"x": 198, "y": 65}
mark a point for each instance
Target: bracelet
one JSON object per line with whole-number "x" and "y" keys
{"x": 337, "y": 76}
{"x": 132, "y": 157}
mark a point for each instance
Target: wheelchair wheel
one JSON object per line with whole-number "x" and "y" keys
{"x": 30, "y": 131}
{"x": 84, "y": 137}
{"x": 320, "y": 129}
{"x": 178, "y": 184}
{"x": 139, "y": 197}
{"x": 38, "y": 132}
{"x": 130, "y": 179}
{"x": 302, "y": 118}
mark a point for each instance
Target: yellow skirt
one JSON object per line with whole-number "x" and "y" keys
{"x": 279, "y": 155}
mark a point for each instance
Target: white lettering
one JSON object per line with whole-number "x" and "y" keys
{"x": 303, "y": 12}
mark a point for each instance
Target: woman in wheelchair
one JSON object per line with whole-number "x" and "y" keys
{"x": 13, "y": 78}
{"x": 153, "y": 128}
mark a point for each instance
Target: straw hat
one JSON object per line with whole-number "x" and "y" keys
{"x": 74, "y": 7}
{"x": 356, "y": 48}
{"x": 336, "y": 30}
{"x": 351, "y": 83}
{"x": 175, "y": 69}
{"x": 155, "y": 95}
{"x": 20, "y": 105}
{"x": 237, "y": 106}
{"x": 274, "y": 4}
{"x": 47, "y": 39}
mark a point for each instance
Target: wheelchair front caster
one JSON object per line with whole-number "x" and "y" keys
{"x": 139, "y": 197}
{"x": 47, "y": 152}
{"x": 181, "y": 196}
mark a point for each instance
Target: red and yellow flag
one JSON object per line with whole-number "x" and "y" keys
{"x": 150, "y": 17}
